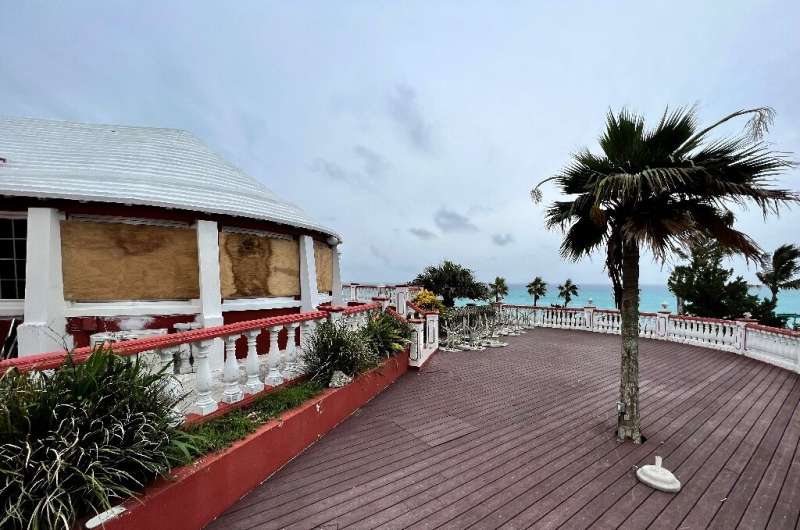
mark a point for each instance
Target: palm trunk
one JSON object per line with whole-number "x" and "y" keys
{"x": 628, "y": 421}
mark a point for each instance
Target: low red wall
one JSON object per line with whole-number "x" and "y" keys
{"x": 195, "y": 495}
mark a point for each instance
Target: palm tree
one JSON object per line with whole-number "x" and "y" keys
{"x": 537, "y": 289}
{"x": 661, "y": 189}
{"x": 450, "y": 281}
{"x": 567, "y": 291}
{"x": 781, "y": 270}
{"x": 498, "y": 288}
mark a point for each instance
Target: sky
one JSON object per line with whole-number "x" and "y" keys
{"x": 415, "y": 129}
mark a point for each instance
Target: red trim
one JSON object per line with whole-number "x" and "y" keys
{"x": 44, "y": 361}
{"x": 352, "y": 310}
{"x": 777, "y": 331}
{"x": 196, "y": 494}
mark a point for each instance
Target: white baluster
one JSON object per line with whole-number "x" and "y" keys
{"x": 171, "y": 385}
{"x": 205, "y": 403}
{"x": 274, "y": 377}
{"x": 253, "y": 384}
{"x": 230, "y": 374}
{"x": 292, "y": 368}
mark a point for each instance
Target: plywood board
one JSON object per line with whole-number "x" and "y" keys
{"x": 323, "y": 256}
{"x": 119, "y": 261}
{"x": 258, "y": 266}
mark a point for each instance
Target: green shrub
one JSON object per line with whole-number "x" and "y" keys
{"x": 334, "y": 347}
{"x": 78, "y": 440}
{"x": 386, "y": 335}
{"x": 221, "y": 432}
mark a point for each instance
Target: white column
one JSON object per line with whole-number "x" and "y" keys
{"x": 254, "y": 384}
{"x": 308, "y": 275}
{"x": 292, "y": 369}
{"x": 205, "y": 403}
{"x": 336, "y": 274}
{"x": 233, "y": 392}
{"x": 44, "y": 326}
{"x": 274, "y": 376}
{"x": 210, "y": 289}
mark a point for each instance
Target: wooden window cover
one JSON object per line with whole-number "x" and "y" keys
{"x": 104, "y": 261}
{"x": 258, "y": 266}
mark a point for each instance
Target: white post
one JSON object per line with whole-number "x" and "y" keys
{"x": 233, "y": 392}
{"x": 44, "y": 327}
{"x": 274, "y": 377}
{"x": 402, "y": 298}
{"x": 336, "y": 283}
{"x": 210, "y": 290}
{"x": 588, "y": 315}
{"x": 308, "y": 275}
{"x": 253, "y": 384}
{"x": 205, "y": 403}
{"x": 662, "y": 321}
{"x": 292, "y": 367}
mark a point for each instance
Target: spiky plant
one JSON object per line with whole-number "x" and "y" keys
{"x": 77, "y": 441}
{"x": 537, "y": 289}
{"x": 781, "y": 270}
{"x": 386, "y": 336}
{"x": 659, "y": 189}
{"x": 334, "y": 346}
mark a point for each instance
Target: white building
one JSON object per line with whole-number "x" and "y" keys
{"x": 106, "y": 228}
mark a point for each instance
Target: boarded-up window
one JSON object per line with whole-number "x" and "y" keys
{"x": 323, "y": 256}
{"x": 258, "y": 266}
{"x": 119, "y": 261}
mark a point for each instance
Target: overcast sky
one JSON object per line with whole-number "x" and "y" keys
{"x": 416, "y": 129}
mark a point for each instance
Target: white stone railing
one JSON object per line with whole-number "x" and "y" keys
{"x": 425, "y": 333}
{"x": 780, "y": 347}
{"x": 397, "y": 295}
{"x": 191, "y": 356}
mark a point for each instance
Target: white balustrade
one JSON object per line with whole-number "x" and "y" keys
{"x": 252, "y": 366}
{"x": 291, "y": 369}
{"x": 274, "y": 376}
{"x": 230, "y": 376}
{"x": 205, "y": 403}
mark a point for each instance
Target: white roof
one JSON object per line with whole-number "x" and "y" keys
{"x": 132, "y": 165}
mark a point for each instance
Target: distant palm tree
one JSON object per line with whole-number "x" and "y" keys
{"x": 567, "y": 291}
{"x": 537, "y": 289}
{"x": 781, "y": 270}
{"x": 498, "y": 288}
{"x": 661, "y": 189}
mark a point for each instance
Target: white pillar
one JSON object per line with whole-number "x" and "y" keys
{"x": 308, "y": 275}
{"x": 210, "y": 288}
{"x": 336, "y": 283}
{"x": 44, "y": 326}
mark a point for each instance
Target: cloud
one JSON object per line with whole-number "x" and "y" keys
{"x": 407, "y": 114}
{"x": 422, "y": 233}
{"x": 333, "y": 171}
{"x": 380, "y": 256}
{"x": 373, "y": 163}
{"x": 502, "y": 240}
{"x": 450, "y": 221}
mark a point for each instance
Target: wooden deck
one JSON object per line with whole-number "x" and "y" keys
{"x": 523, "y": 437}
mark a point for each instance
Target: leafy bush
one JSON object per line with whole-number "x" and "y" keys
{"x": 334, "y": 347}
{"x": 386, "y": 335}
{"x": 78, "y": 440}
{"x": 428, "y": 300}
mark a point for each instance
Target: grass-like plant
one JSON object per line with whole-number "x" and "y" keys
{"x": 76, "y": 441}
{"x": 332, "y": 347}
{"x": 386, "y": 335}
{"x": 221, "y": 432}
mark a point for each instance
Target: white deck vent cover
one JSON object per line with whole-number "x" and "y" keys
{"x": 658, "y": 477}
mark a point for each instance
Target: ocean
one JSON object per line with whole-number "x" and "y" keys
{"x": 651, "y": 297}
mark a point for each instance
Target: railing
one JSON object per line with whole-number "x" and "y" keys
{"x": 780, "y": 347}
{"x": 365, "y": 293}
{"x": 189, "y": 355}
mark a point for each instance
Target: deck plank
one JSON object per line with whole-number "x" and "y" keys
{"x": 523, "y": 436}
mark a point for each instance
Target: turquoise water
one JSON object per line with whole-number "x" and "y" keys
{"x": 651, "y": 297}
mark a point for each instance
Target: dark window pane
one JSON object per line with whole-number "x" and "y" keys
{"x": 7, "y": 269}
{"x": 21, "y": 269}
{"x": 5, "y": 228}
{"x": 20, "y": 248}
{"x": 21, "y": 289}
{"x": 6, "y": 248}
{"x": 8, "y": 289}
{"x": 20, "y": 228}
